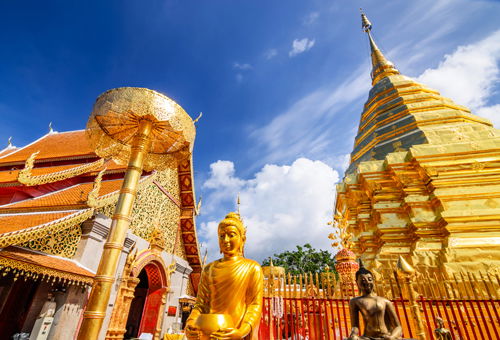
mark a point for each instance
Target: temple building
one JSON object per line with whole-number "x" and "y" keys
{"x": 423, "y": 179}
{"x": 56, "y": 202}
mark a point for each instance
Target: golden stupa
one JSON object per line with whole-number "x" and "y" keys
{"x": 424, "y": 177}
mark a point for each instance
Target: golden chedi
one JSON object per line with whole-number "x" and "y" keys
{"x": 423, "y": 178}
{"x": 229, "y": 300}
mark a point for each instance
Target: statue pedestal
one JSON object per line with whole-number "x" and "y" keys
{"x": 42, "y": 328}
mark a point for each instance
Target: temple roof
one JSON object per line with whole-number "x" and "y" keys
{"x": 14, "y": 222}
{"x": 401, "y": 112}
{"x": 56, "y": 189}
{"x": 65, "y": 199}
{"x": 40, "y": 264}
{"x": 53, "y": 146}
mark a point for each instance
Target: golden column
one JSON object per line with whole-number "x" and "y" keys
{"x": 407, "y": 273}
{"x": 149, "y": 131}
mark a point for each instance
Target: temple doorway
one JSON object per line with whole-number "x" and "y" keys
{"x": 146, "y": 304}
{"x": 16, "y": 297}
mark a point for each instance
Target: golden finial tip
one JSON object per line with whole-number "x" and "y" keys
{"x": 404, "y": 267}
{"x": 198, "y": 118}
{"x": 366, "y": 25}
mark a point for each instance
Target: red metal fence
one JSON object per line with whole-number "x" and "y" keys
{"x": 317, "y": 307}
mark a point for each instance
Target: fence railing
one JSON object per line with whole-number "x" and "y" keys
{"x": 316, "y": 306}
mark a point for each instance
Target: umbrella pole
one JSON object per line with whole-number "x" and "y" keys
{"x": 95, "y": 312}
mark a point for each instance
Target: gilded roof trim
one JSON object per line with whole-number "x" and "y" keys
{"x": 25, "y": 177}
{"x": 19, "y": 267}
{"x": 24, "y": 235}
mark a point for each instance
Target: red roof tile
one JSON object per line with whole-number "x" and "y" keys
{"x": 10, "y": 223}
{"x": 70, "y": 198}
{"x": 71, "y": 144}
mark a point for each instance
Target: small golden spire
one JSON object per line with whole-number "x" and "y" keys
{"x": 238, "y": 204}
{"x": 198, "y": 118}
{"x": 381, "y": 67}
{"x": 404, "y": 267}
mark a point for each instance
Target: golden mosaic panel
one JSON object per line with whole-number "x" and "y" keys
{"x": 63, "y": 243}
{"x": 154, "y": 208}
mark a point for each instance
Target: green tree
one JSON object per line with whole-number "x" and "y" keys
{"x": 305, "y": 259}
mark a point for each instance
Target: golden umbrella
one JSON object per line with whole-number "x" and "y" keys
{"x": 149, "y": 131}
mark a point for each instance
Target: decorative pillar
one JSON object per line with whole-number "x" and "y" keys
{"x": 149, "y": 131}
{"x": 124, "y": 297}
{"x": 407, "y": 273}
{"x": 346, "y": 264}
{"x": 347, "y": 267}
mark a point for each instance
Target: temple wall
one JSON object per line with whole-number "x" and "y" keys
{"x": 178, "y": 287}
{"x": 68, "y": 314}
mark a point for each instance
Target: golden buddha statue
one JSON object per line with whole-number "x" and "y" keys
{"x": 230, "y": 290}
{"x": 379, "y": 315}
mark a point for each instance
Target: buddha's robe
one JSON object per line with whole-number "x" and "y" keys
{"x": 232, "y": 287}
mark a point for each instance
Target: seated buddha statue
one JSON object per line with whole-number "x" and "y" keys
{"x": 441, "y": 332}
{"x": 379, "y": 315}
{"x": 231, "y": 286}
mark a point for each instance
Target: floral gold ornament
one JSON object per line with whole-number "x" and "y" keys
{"x": 149, "y": 131}
{"x": 25, "y": 175}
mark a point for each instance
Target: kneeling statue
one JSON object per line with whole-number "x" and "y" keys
{"x": 229, "y": 301}
{"x": 379, "y": 315}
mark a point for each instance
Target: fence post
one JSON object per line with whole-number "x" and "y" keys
{"x": 406, "y": 273}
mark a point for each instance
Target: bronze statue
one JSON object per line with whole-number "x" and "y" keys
{"x": 229, "y": 301}
{"x": 441, "y": 332}
{"x": 379, "y": 315}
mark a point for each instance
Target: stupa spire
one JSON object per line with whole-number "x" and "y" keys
{"x": 381, "y": 67}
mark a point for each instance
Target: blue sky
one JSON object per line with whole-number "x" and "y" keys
{"x": 281, "y": 85}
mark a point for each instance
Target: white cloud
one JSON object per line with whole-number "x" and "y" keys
{"x": 490, "y": 112}
{"x": 469, "y": 76}
{"x": 271, "y": 53}
{"x": 244, "y": 67}
{"x": 223, "y": 182}
{"x": 310, "y": 18}
{"x": 282, "y": 206}
{"x": 301, "y": 46}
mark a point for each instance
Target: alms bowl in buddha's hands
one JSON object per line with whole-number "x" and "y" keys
{"x": 209, "y": 323}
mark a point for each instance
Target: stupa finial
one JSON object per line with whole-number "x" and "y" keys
{"x": 381, "y": 67}
{"x": 238, "y": 203}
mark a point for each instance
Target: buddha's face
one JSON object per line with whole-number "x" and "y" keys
{"x": 365, "y": 283}
{"x": 230, "y": 241}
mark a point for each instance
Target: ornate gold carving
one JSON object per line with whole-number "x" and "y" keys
{"x": 25, "y": 177}
{"x": 40, "y": 231}
{"x": 63, "y": 243}
{"x": 25, "y": 174}
{"x": 340, "y": 223}
{"x": 106, "y": 204}
{"x": 119, "y": 111}
{"x": 154, "y": 209}
{"x": 94, "y": 193}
